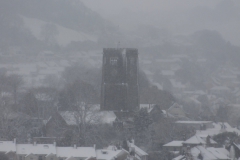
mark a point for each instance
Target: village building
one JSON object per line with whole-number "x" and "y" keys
{"x": 197, "y": 140}
{"x": 137, "y": 152}
{"x": 173, "y": 146}
{"x": 35, "y": 151}
{"x": 198, "y": 125}
{"x": 61, "y": 120}
{"x": 217, "y": 129}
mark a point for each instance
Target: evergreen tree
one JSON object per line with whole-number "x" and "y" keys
{"x": 3, "y": 156}
{"x": 141, "y": 121}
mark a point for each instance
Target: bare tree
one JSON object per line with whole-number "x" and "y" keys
{"x": 78, "y": 98}
{"x": 15, "y": 81}
{"x": 85, "y": 116}
{"x": 12, "y": 124}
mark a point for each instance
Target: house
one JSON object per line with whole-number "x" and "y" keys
{"x": 61, "y": 120}
{"x": 137, "y": 152}
{"x": 234, "y": 150}
{"x": 173, "y": 146}
{"x": 154, "y": 110}
{"x": 112, "y": 153}
{"x": 217, "y": 128}
{"x": 197, "y": 140}
{"x": 220, "y": 91}
{"x": 199, "y": 125}
{"x": 202, "y": 153}
{"x": 180, "y": 157}
{"x": 76, "y": 153}
{"x": 177, "y": 111}
{"x": 182, "y": 146}
{"x": 168, "y": 73}
{"x": 178, "y": 87}
{"x": 36, "y": 151}
{"x": 9, "y": 148}
{"x": 148, "y": 107}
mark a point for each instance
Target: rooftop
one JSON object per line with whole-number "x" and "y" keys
{"x": 193, "y": 122}
{"x": 174, "y": 144}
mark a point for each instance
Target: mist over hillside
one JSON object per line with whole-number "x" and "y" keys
{"x": 32, "y": 26}
{"x": 121, "y": 78}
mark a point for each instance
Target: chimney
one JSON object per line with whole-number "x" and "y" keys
{"x": 34, "y": 143}
{"x": 14, "y": 140}
{"x": 94, "y": 146}
{"x": 54, "y": 143}
{"x": 75, "y": 146}
{"x": 133, "y": 141}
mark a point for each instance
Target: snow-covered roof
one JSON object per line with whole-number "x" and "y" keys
{"x": 176, "y": 84}
{"x": 193, "y": 100}
{"x": 218, "y": 128}
{"x": 205, "y": 154}
{"x": 166, "y": 114}
{"x": 7, "y": 146}
{"x": 193, "y": 122}
{"x": 198, "y": 139}
{"x": 220, "y": 153}
{"x": 149, "y": 107}
{"x": 174, "y": 144}
{"x": 176, "y": 110}
{"x": 210, "y": 153}
{"x": 159, "y": 86}
{"x": 194, "y": 140}
{"x": 180, "y": 157}
{"x": 69, "y": 117}
{"x": 71, "y": 158}
{"x": 138, "y": 150}
{"x": 27, "y": 149}
{"x": 84, "y": 152}
{"x": 108, "y": 154}
{"x": 107, "y": 117}
{"x": 47, "y": 149}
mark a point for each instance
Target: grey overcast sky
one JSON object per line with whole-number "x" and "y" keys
{"x": 177, "y": 16}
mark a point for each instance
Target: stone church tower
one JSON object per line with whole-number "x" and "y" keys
{"x": 119, "y": 90}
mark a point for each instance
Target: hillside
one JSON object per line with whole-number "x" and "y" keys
{"x": 34, "y": 26}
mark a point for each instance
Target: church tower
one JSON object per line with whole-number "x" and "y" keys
{"x": 119, "y": 90}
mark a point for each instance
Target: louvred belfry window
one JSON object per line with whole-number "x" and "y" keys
{"x": 113, "y": 60}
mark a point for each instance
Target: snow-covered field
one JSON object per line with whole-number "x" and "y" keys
{"x": 65, "y": 35}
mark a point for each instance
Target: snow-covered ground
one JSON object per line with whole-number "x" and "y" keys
{"x": 65, "y": 35}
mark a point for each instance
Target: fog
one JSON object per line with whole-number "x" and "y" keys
{"x": 119, "y": 79}
{"x": 179, "y": 17}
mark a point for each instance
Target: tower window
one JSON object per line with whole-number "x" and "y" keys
{"x": 113, "y": 60}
